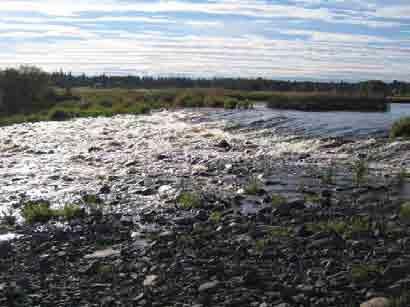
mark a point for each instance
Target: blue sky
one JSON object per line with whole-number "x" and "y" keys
{"x": 285, "y": 39}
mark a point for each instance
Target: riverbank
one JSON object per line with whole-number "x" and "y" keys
{"x": 182, "y": 209}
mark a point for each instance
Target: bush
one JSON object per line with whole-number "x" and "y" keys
{"x": 37, "y": 212}
{"x": 254, "y": 186}
{"x": 401, "y": 128}
{"x": 41, "y": 212}
{"x": 230, "y": 103}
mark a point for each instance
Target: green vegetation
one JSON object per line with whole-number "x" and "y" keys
{"x": 364, "y": 273}
{"x": 41, "y": 212}
{"x": 278, "y": 200}
{"x": 254, "y": 186}
{"x": 346, "y": 227}
{"x": 189, "y": 200}
{"x": 326, "y": 102}
{"x": 405, "y": 212}
{"x": 215, "y": 217}
{"x": 360, "y": 171}
{"x": 328, "y": 176}
{"x": 401, "y": 128}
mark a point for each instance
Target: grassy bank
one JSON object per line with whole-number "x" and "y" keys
{"x": 90, "y": 102}
{"x": 326, "y": 102}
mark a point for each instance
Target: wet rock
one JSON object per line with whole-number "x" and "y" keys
{"x": 150, "y": 280}
{"x": 376, "y": 302}
{"x": 223, "y": 144}
{"x": 184, "y": 220}
{"x": 105, "y": 189}
{"x": 5, "y": 249}
{"x": 208, "y": 286}
{"x": 109, "y": 252}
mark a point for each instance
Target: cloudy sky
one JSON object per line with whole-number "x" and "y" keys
{"x": 282, "y": 39}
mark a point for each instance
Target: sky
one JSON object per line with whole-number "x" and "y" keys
{"x": 329, "y": 40}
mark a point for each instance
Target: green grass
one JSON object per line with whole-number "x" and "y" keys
{"x": 401, "y": 128}
{"x": 365, "y": 272}
{"x": 189, "y": 200}
{"x": 346, "y": 227}
{"x": 41, "y": 212}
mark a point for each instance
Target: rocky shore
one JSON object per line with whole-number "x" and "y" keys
{"x": 180, "y": 210}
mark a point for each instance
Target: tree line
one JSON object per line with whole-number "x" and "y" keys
{"x": 368, "y": 88}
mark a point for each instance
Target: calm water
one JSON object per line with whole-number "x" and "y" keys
{"x": 316, "y": 124}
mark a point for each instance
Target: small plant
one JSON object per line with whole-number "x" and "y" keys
{"x": 189, "y": 200}
{"x": 254, "y": 186}
{"x": 230, "y": 103}
{"x": 278, "y": 232}
{"x": 215, "y": 217}
{"x": 69, "y": 212}
{"x": 347, "y": 228}
{"x": 260, "y": 245}
{"x": 360, "y": 171}
{"x": 366, "y": 272}
{"x": 405, "y": 212}
{"x": 277, "y": 200}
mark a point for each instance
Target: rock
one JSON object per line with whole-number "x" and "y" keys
{"x": 208, "y": 286}
{"x": 105, "y": 189}
{"x": 103, "y": 254}
{"x": 223, "y": 144}
{"x": 376, "y": 302}
{"x": 150, "y": 280}
{"x": 184, "y": 220}
{"x": 5, "y": 249}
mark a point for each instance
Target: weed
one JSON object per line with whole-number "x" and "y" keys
{"x": 8, "y": 217}
{"x": 254, "y": 186}
{"x": 347, "y": 228}
{"x": 402, "y": 301}
{"x": 189, "y": 200}
{"x": 401, "y": 128}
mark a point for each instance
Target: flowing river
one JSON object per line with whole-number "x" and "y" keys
{"x": 62, "y": 161}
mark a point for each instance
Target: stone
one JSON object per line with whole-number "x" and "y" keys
{"x": 223, "y": 144}
{"x": 208, "y": 286}
{"x": 109, "y": 252}
{"x": 150, "y": 280}
{"x": 376, "y": 302}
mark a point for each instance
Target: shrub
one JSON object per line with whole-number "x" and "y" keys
{"x": 69, "y": 212}
{"x": 348, "y": 227}
{"x": 189, "y": 200}
{"x": 230, "y": 103}
{"x": 401, "y": 128}
{"x": 41, "y": 212}
{"x": 37, "y": 212}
